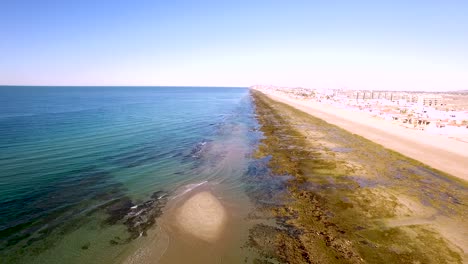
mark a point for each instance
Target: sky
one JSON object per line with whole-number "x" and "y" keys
{"x": 391, "y": 45}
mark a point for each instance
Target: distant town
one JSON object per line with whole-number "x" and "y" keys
{"x": 438, "y": 113}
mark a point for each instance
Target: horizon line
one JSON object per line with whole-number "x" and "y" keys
{"x": 188, "y": 86}
{"x": 213, "y": 86}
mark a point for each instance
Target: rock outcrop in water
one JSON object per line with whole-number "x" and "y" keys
{"x": 137, "y": 218}
{"x": 143, "y": 216}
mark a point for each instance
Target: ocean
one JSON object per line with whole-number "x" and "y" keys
{"x": 86, "y": 170}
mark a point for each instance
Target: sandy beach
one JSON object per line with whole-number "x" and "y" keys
{"x": 440, "y": 152}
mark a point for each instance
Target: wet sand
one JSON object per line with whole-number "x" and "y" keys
{"x": 206, "y": 225}
{"x": 202, "y": 216}
{"x": 197, "y": 227}
{"x": 440, "y": 152}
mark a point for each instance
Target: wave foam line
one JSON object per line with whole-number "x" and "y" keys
{"x": 188, "y": 188}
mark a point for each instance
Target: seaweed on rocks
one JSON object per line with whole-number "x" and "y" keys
{"x": 263, "y": 187}
{"x": 118, "y": 209}
{"x": 137, "y": 218}
{"x": 143, "y": 216}
{"x": 334, "y": 203}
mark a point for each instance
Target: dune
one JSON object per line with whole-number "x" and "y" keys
{"x": 202, "y": 216}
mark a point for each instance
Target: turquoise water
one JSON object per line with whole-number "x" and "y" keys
{"x": 76, "y": 162}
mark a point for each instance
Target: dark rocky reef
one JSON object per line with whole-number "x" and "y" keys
{"x": 57, "y": 207}
{"x": 138, "y": 218}
{"x": 199, "y": 149}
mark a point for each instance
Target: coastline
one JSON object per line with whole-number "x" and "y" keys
{"x": 442, "y": 153}
{"x": 351, "y": 200}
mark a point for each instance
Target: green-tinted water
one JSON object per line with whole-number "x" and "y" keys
{"x": 85, "y": 171}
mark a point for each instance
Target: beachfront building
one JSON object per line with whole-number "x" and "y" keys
{"x": 429, "y": 100}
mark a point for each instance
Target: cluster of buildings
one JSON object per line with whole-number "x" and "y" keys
{"x": 419, "y": 110}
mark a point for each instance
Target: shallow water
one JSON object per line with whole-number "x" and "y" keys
{"x": 86, "y": 169}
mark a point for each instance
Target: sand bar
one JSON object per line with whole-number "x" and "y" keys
{"x": 202, "y": 216}
{"x": 440, "y": 152}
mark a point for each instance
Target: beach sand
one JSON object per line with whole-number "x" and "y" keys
{"x": 194, "y": 224}
{"x": 440, "y": 152}
{"x": 202, "y": 216}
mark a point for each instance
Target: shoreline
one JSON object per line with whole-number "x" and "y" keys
{"x": 352, "y": 199}
{"x": 439, "y": 152}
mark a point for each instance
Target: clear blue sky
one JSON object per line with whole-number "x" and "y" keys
{"x": 401, "y": 45}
